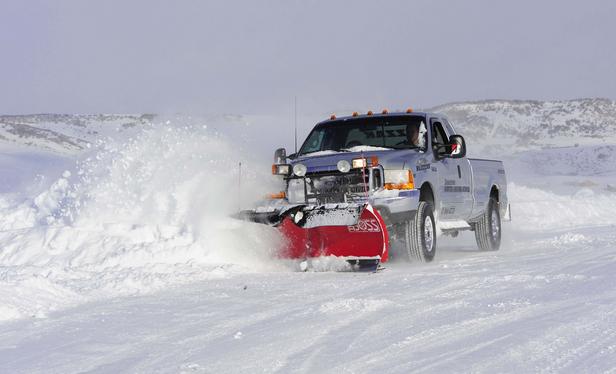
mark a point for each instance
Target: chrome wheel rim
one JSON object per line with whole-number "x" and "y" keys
{"x": 495, "y": 225}
{"x": 428, "y": 234}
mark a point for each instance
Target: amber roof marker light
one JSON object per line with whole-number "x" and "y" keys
{"x": 355, "y": 114}
{"x": 369, "y": 113}
{"x": 409, "y": 110}
{"x": 385, "y": 111}
{"x": 332, "y": 117}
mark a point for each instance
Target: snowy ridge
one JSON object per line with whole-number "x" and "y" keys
{"x": 492, "y": 126}
{"x": 66, "y": 133}
{"x": 542, "y": 138}
{"x": 513, "y": 125}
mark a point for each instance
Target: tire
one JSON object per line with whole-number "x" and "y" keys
{"x": 420, "y": 234}
{"x": 488, "y": 228}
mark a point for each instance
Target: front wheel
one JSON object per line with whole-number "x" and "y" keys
{"x": 488, "y": 228}
{"x": 420, "y": 234}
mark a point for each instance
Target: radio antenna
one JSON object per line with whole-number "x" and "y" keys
{"x": 239, "y": 187}
{"x": 295, "y": 115}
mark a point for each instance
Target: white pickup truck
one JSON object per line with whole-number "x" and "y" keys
{"x": 409, "y": 167}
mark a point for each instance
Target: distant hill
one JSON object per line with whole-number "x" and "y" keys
{"x": 65, "y": 133}
{"x": 491, "y": 127}
{"x": 515, "y": 125}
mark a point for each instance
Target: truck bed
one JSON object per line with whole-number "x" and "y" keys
{"x": 486, "y": 173}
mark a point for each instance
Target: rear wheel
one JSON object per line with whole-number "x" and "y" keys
{"x": 488, "y": 228}
{"x": 420, "y": 234}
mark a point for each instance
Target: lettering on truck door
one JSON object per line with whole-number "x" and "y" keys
{"x": 454, "y": 177}
{"x": 464, "y": 176}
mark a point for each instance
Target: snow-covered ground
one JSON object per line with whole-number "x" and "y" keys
{"x": 118, "y": 256}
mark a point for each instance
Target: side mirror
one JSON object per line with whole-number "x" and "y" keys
{"x": 280, "y": 156}
{"x": 458, "y": 146}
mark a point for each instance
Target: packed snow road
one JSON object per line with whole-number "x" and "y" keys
{"x": 544, "y": 303}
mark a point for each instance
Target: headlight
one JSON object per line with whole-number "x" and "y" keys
{"x": 281, "y": 169}
{"x": 299, "y": 170}
{"x": 343, "y": 166}
{"x": 365, "y": 162}
{"x": 399, "y": 180}
{"x": 359, "y": 163}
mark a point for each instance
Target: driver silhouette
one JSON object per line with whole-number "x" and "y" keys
{"x": 412, "y": 134}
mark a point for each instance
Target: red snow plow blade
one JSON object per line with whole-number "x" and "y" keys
{"x": 353, "y": 232}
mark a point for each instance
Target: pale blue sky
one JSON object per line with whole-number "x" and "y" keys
{"x": 254, "y": 56}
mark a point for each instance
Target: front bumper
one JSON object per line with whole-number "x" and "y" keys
{"x": 395, "y": 206}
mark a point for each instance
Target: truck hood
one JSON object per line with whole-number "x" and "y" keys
{"x": 390, "y": 159}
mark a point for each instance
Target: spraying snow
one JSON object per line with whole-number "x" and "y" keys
{"x": 134, "y": 215}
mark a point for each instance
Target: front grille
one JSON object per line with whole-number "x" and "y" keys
{"x": 334, "y": 187}
{"x": 337, "y": 187}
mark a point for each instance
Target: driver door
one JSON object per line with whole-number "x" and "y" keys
{"x": 454, "y": 178}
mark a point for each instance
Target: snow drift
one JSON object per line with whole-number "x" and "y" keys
{"x": 133, "y": 215}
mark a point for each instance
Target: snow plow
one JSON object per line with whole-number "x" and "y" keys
{"x": 354, "y": 232}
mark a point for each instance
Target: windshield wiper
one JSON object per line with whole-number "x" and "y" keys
{"x": 324, "y": 150}
{"x": 407, "y": 147}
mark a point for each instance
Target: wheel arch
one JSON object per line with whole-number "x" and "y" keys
{"x": 426, "y": 193}
{"x": 495, "y": 193}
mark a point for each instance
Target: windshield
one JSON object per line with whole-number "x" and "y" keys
{"x": 361, "y": 134}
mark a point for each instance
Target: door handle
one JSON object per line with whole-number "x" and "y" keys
{"x": 459, "y": 172}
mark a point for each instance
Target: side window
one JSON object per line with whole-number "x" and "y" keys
{"x": 448, "y": 127}
{"x": 439, "y": 136}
